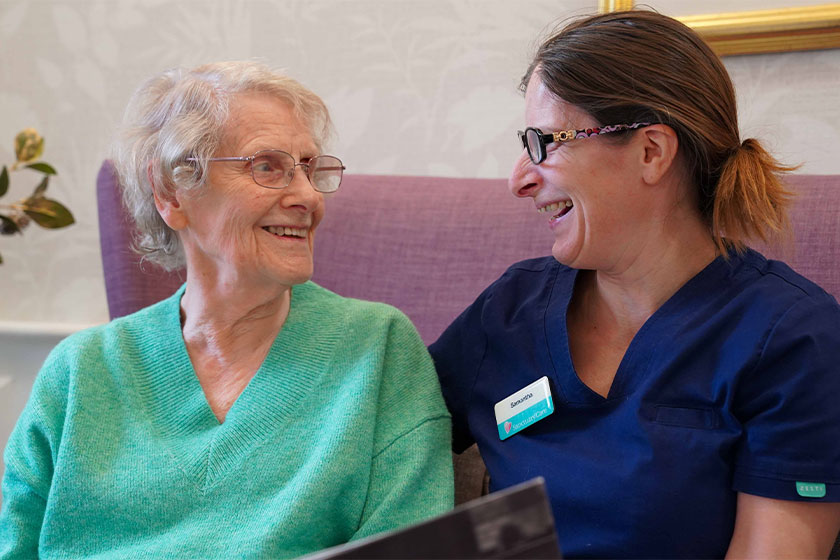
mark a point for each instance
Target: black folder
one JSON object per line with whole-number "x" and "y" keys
{"x": 511, "y": 523}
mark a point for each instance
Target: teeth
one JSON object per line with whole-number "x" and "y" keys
{"x": 555, "y": 206}
{"x": 287, "y": 231}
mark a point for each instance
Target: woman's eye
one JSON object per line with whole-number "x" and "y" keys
{"x": 263, "y": 167}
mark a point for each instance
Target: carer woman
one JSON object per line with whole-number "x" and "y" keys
{"x": 694, "y": 383}
{"x": 253, "y": 414}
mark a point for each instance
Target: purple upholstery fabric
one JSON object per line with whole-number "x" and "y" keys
{"x": 814, "y": 250}
{"x": 426, "y": 245}
{"x": 429, "y": 245}
{"x": 128, "y": 285}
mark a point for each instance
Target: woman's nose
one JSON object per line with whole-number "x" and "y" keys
{"x": 524, "y": 179}
{"x": 300, "y": 191}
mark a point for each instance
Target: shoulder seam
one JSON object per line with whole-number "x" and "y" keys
{"x": 765, "y": 272}
{"x": 409, "y": 431}
{"x": 769, "y": 334}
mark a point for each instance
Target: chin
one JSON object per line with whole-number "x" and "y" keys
{"x": 292, "y": 279}
{"x": 572, "y": 257}
{"x": 561, "y": 255}
{"x": 289, "y": 272}
{"x": 299, "y": 277}
{"x": 283, "y": 279}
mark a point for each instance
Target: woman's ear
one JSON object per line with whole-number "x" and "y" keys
{"x": 167, "y": 202}
{"x": 660, "y": 144}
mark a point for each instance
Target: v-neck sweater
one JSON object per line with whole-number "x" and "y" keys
{"x": 341, "y": 433}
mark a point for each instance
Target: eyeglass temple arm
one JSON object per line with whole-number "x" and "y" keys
{"x": 240, "y": 158}
{"x": 249, "y": 158}
{"x": 559, "y": 136}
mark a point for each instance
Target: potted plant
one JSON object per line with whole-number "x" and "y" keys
{"x": 47, "y": 213}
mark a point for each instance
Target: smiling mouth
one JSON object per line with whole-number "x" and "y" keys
{"x": 288, "y": 232}
{"x": 557, "y": 209}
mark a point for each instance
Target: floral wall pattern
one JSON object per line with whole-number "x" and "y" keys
{"x": 424, "y": 87}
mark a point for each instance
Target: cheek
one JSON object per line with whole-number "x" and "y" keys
{"x": 608, "y": 209}
{"x": 232, "y": 225}
{"x": 318, "y": 214}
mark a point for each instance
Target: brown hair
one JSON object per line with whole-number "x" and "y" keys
{"x": 641, "y": 66}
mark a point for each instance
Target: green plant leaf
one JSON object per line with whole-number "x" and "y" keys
{"x": 1, "y": 259}
{"x": 43, "y": 168}
{"x": 8, "y": 226}
{"x": 4, "y": 181}
{"x": 47, "y": 213}
{"x": 29, "y": 145}
{"x": 20, "y": 142}
{"x": 41, "y": 188}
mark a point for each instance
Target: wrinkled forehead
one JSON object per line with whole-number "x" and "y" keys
{"x": 260, "y": 121}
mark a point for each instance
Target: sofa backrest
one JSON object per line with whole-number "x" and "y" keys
{"x": 429, "y": 245}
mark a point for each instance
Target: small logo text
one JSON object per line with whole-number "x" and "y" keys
{"x": 810, "y": 489}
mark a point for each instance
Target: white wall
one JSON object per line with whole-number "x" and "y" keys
{"x": 424, "y": 87}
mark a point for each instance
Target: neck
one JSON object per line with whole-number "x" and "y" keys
{"x": 629, "y": 293}
{"x": 231, "y": 324}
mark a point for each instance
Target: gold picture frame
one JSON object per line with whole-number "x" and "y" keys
{"x": 762, "y": 31}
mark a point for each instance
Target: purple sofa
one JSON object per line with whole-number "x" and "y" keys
{"x": 429, "y": 245}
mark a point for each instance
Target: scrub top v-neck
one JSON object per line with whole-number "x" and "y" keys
{"x": 652, "y": 338}
{"x": 715, "y": 395}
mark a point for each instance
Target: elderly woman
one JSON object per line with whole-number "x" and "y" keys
{"x": 677, "y": 390}
{"x": 253, "y": 414}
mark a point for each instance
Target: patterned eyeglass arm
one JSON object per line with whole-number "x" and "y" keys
{"x": 595, "y": 131}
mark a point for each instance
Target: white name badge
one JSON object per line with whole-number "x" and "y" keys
{"x": 523, "y": 408}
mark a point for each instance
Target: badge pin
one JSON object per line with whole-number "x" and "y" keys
{"x": 524, "y": 407}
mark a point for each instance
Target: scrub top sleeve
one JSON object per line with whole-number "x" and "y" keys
{"x": 457, "y": 355}
{"x": 789, "y": 407}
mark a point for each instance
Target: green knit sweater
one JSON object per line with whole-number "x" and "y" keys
{"x": 342, "y": 433}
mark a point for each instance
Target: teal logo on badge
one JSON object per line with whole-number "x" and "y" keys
{"x": 810, "y": 489}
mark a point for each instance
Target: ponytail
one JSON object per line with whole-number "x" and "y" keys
{"x": 750, "y": 200}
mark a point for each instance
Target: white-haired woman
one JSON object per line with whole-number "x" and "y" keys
{"x": 252, "y": 413}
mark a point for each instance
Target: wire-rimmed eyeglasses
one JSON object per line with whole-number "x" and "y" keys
{"x": 535, "y": 140}
{"x": 275, "y": 169}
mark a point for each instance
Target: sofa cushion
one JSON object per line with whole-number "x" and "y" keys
{"x": 427, "y": 245}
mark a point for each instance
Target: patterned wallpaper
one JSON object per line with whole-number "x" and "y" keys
{"x": 423, "y": 87}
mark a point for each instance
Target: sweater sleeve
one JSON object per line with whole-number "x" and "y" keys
{"x": 29, "y": 460}
{"x": 410, "y": 481}
{"x": 411, "y": 469}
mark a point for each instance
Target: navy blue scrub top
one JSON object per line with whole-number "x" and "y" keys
{"x": 733, "y": 385}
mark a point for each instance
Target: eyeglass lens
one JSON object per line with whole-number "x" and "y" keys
{"x": 276, "y": 169}
{"x": 534, "y": 144}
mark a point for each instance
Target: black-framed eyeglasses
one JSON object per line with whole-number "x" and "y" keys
{"x": 535, "y": 140}
{"x": 275, "y": 169}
